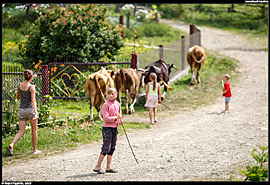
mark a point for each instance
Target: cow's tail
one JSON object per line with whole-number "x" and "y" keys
{"x": 99, "y": 89}
{"x": 124, "y": 81}
{"x": 87, "y": 88}
{"x": 194, "y": 58}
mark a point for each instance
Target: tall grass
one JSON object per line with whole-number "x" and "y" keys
{"x": 245, "y": 18}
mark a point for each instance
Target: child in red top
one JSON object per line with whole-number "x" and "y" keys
{"x": 111, "y": 112}
{"x": 226, "y": 92}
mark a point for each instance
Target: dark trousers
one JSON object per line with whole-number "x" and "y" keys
{"x": 109, "y": 135}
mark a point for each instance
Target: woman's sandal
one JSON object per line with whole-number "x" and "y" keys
{"x": 111, "y": 171}
{"x": 9, "y": 151}
{"x": 98, "y": 171}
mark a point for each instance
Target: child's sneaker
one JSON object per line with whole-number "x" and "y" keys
{"x": 9, "y": 151}
{"x": 37, "y": 152}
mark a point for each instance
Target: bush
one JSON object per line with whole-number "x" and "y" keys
{"x": 17, "y": 18}
{"x": 10, "y": 52}
{"x": 80, "y": 30}
{"x": 152, "y": 30}
{"x": 172, "y": 11}
{"x": 257, "y": 171}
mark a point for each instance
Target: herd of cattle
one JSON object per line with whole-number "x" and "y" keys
{"x": 128, "y": 80}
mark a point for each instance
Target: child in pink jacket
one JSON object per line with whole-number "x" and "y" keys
{"x": 111, "y": 112}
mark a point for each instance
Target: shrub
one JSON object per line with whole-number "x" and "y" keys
{"x": 10, "y": 52}
{"x": 80, "y": 30}
{"x": 256, "y": 171}
{"x": 17, "y": 18}
{"x": 172, "y": 11}
{"x": 152, "y": 30}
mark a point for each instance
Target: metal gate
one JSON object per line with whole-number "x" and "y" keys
{"x": 67, "y": 77}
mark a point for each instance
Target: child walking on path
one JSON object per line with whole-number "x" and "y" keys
{"x": 153, "y": 96}
{"x": 27, "y": 111}
{"x": 226, "y": 92}
{"x": 111, "y": 112}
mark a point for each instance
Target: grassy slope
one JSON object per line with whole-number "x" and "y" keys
{"x": 184, "y": 97}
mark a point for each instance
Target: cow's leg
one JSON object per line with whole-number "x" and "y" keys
{"x": 91, "y": 109}
{"x": 198, "y": 74}
{"x": 119, "y": 96}
{"x": 164, "y": 92}
{"x": 99, "y": 113}
{"x": 131, "y": 107}
{"x": 192, "y": 75}
{"x": 126, "y": 101}
{"x": 98, "y": 107}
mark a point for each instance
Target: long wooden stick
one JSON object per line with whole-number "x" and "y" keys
{"x": 129, "y": 142}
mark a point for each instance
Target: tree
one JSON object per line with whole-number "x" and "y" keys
{"x": 80, "y": 30}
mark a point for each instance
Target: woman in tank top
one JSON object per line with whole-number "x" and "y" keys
{"x": 27, "y": 111}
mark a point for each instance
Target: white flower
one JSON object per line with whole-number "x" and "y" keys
{"x": 128, "y": 6}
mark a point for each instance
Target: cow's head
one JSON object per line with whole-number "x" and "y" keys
{"x": 141, "y": 75}
{"x": 111, "y": 73}
{"x": 170, "y": 66}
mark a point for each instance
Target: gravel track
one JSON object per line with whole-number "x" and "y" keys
{"x": 196, "y": 145}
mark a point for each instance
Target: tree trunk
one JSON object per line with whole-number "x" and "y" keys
{"x": 128, "y": 16}
{"x": 27, "y": 11}
{"x": 263, "y": 10}
{"x": 135, "y": 9}
{"x": 117, "y": 10}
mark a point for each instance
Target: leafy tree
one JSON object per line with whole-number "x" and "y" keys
{"x": 80, "y": 30}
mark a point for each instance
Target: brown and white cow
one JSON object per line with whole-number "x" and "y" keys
{"x": 128, "y": 81}
{"x": 162, "y": 71}
{"x": 196, "y": 57}
{"x": 95, "y": 89}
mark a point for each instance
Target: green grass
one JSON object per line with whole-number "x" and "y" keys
{"x": 11, "y": 35}
{"x": 52, "y": 141}
{"x": 186, "y": 97}
{"x": 249, "y": 21}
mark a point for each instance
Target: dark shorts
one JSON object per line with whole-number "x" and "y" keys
{"x": 109, "y": 135}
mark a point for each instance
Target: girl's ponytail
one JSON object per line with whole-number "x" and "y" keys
{"x": 153, "y": 76}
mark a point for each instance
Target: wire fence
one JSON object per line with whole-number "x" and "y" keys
{"x": 11, "y": 77}
{"x": 174, "y": 53}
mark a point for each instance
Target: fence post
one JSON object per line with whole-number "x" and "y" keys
{"x": 199, "y": 37}
{"x": 45, "y": 80}
{"x": 191, "y": 29}
{"x": 128, "y": 16}
{"x": 156, "y": 17}
{"x": 121, "y": 22}
{"x": 160, "y": 52}
{"x": 134, "y": 60}
{"x": 183, "y": 51}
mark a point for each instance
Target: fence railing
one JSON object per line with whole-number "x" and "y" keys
{"x": 66, "y": 75}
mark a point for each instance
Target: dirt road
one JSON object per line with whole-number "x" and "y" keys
{"x": 197, "y": 145}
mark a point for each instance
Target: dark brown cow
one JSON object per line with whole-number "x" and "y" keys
{"x": 162, "y": 70}
{"x": 128, "y": 81}
{"x": 196, "y": 57}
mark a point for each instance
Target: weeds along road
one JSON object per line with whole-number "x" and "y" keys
{"x": 196, "y": 145}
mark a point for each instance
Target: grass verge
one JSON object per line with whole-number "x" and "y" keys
{"x": 56, "y": 140}
{"x": 185, "y": 97}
